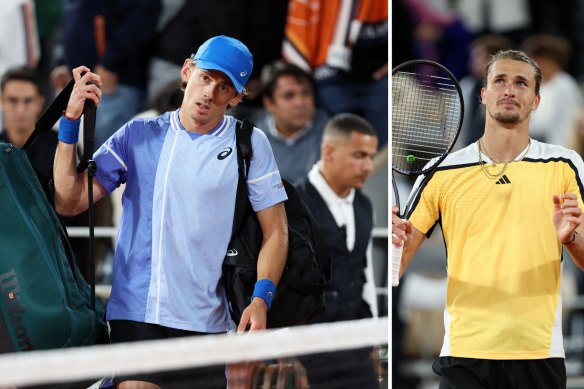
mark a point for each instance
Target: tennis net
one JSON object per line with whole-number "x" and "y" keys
{"x": 328, "y": 355}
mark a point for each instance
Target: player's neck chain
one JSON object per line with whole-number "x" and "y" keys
{"x": 485, "y": 167}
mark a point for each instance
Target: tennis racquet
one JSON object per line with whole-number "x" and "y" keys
{"x": 427, "y": 111}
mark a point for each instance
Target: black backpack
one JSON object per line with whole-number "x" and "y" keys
{"x": 299, "y": 295}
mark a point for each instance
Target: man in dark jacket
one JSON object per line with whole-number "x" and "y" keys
{"x": 345, "y": 215}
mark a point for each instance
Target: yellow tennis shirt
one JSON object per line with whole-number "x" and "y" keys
{"x": 504, "y": 259}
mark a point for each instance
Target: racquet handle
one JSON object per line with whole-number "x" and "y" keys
{"x": 396, "y": 254}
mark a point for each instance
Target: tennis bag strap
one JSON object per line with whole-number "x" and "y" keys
{"x": 44, "y": 124}
{"x": 51, "y": 114}
{"x": 299, "y": 296}
{"x": 243, "y": 131}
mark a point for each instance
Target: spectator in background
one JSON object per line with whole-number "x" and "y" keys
{"x": 113, "y": 39}
{"x": 49, "y": 20}
{"x": 168, "y": 98}
{"x": 481, "y": 49}
{"x": 440, "y": 35}
{"x": 347, "y": 53}
{"x": 576, "y": 141}
{"x": 332, "y": 192}
{"x": 22, "y": 103}
{"x": 561, "y": 97}
{"x": 19, "y": 44}
{"x": 292, "y": 123}
{"x": 510, "y": 18}
{"x": 402, "y": 35}
{"x": 444, "y": 29}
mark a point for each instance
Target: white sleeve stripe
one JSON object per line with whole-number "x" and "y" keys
{"x": 292, "y": 55}
{"x": 116, "y": 156}
{"x": 342, "y": 23}
{"x": 263, "y": 177}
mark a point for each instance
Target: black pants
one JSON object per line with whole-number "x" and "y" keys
{"x": 205, "y": 377}
{"x": 348, "y": 369}
{"x": 469, "y": 373}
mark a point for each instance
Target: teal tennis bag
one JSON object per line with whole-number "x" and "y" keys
{"x": 44, "y": 301}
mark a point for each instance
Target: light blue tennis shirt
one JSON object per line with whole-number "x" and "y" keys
{"x": 177, "y": 217}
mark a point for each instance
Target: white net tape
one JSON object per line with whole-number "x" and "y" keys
{"x": 41, "y": 367}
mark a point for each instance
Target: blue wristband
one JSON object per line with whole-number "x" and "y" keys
{"x": 265, "y": 289}
{"x": 69, "y": 130}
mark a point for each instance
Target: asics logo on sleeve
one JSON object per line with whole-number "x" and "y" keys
{"x": 225, "y": 153}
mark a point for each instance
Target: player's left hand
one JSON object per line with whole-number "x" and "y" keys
{"x": 86, "y": 87}
{"x": 255, "y": 315}
{"x": 566, "y": 215}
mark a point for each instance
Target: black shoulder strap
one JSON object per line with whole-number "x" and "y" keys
{"x": 243, "y": 131}
{"x": 50, "y": 116}
{"x": 53, "y": 113}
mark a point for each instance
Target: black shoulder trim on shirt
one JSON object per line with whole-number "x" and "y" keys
{"x": 431, "y": 230}
{"x": 565, "y": 160}
{"x": 444, "y": 241}
{"x": 458, "y": 166}
{"x": 429, "y": 234}
{"x": 551, "y": 159}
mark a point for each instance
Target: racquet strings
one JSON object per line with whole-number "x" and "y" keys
{"x": 426, "y": 116}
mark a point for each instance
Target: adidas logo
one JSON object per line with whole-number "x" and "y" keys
{"x": 503, "y": 180}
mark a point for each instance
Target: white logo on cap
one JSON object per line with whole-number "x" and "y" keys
{"x": 243, "y": 74}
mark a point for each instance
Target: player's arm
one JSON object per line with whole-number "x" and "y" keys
{"x": 271, "y": 262}
{"x": 403, "y": 233}
{"x": 70, "y": 187}
{"x": 410, "y": 248}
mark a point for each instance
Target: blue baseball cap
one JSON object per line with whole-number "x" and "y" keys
{"x": 227, "y": 55}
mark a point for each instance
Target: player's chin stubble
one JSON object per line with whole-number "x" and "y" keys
{"x": 506, "y": 117}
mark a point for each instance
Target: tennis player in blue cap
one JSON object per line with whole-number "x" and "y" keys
{"x": 180, "y": 171}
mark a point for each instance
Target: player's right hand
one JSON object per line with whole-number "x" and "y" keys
{"x": 86, "y": 87}
{"x": 401, "y": 230}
